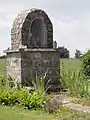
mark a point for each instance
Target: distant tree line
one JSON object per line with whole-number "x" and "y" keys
{"x": 64, "y": 52}
{"x": 78, "y": 53}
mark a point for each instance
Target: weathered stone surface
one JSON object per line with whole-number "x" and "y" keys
{"x": 22, "y": 25}
{"x": 13, "y": 66}
{"x": 32, "y": 48}
{"x": 31, "y": 61}
{"x": 40, "y": 62}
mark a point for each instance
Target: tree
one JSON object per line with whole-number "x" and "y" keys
{"x": 78, "y": 53}
{"x": 64, "y": 52}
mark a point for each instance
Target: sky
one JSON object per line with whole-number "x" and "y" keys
{"x": 70, "y": 18}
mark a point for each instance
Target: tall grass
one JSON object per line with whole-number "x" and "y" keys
{"x": 6, "y": 82}
{"x": 38, "y": 82}
{"x": 76, "y": 83}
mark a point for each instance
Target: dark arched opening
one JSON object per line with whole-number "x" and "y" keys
{"x": 38, "y": 34}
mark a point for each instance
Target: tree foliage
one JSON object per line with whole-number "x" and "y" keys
{"x": 78, "y": 53}
{"x": 64, "y": 52}
{"x": 86, "y": 63}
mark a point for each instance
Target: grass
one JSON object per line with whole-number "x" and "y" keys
{"x": 2, "y": 66}
{"x": 72, "y": 64}
{"x": 14, "y": 113}
{"x": 65, "y": 113}
{"x": 82, "y": 101}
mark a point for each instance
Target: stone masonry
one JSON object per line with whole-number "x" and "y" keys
{"x": 21, "y": 28}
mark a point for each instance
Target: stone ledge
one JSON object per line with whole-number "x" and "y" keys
{"x": 29, "y": 50}
{"x": 39, "y": 49}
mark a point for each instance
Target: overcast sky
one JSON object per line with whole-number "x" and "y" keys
{"x": 70, "y": 18}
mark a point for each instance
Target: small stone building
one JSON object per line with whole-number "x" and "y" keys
{"x": 32, "y": 50}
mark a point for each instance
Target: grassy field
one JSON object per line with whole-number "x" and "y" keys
{"x": 2, "y": 66}
{"x": 72, "y": 64}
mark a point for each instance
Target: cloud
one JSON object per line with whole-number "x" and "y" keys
{"x": 73, "y": 35}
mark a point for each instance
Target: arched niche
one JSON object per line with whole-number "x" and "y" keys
{"x": 37, "y": 34}
{"x": 26, "y": 24}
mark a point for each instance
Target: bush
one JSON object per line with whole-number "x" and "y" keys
{"x": 21, "y": 97}
{"x": 10, "y": 95}
{"x": 86, "y": 64}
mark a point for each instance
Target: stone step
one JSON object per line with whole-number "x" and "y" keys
{"x": 78, "y": 107}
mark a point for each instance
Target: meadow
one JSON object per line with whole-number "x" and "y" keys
{"x": 71, "y": 64}
{"x": 2, "y": 66}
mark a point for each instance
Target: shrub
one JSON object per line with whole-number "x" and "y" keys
{"x": 23, "y": 98}
{"x": 86, "y": 64}
{"x": 10, "y": 95}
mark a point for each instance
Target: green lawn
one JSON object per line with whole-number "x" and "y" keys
{"x": 2, "y": 66}
{"x": 14, "y": 113}
{"x": 72, "y": 64}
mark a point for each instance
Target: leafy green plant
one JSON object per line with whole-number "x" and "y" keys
{"x": 76, "y": 83}
{"x": 3, "y": 81}
{"x": 23, "y": 98}
{"x": 10, "y": 95}
{"x": 6, "y": 82}
{"x": 38, "y": 83}
{"x": 10, "y": 80}
{"x": 86, "y": 63}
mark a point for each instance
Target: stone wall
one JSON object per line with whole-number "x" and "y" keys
{"x": 13, "y": 65}
{"x": 39, "y": 61}
{"x": 25, "y": 62}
